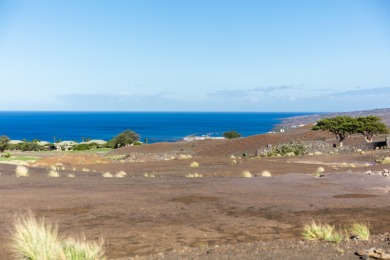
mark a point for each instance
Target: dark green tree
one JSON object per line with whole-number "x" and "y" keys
{"x": 371, "y": 125}
{"x": 340, "y": 126}
{"x": 125, "y": 138}
{"x": 231, "y": 134}
{"x": 4, "y": 140}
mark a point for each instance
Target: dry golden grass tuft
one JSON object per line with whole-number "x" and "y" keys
{"x": 320, "y": 169}
{"x": 314, "y": 231}
{"x": 120, "y": 174}
{"x": 194, "y": 175}
{"x": 360, "y": 230}
{"x": 85, "y": 170}
{"x": 107, "y": 175}
{"x": 265, "y": 174}
{"x": 194, "y": 164}
{"x": 70, "y": 175}
{"x": 37, "y": 240}
{"x": 149, "y": 175}
{"x": 21, "y": 171}
{"x": 246, "y": 174}
{"x": 53, "y": 174}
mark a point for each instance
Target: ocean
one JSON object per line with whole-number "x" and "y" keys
{"x": 155, "y": 126}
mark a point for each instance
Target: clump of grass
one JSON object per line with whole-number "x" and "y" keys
{"x": 360, "y": 230}
{"x": 194, "y": 164}
{"x": 53, "y": 174}
{"x": 320, "y": 169}
{"x": 81, "y": 249}
{"x": 314, "y": 231}
{"x": 149, "y": 175}
{"x": 35, "y": 239}
{"x": 384, "y": 160}
{"x": 232, "y": 157}
{"x": 85, "y": 170}
{"x": 53, "y": 168}
{"x": 194, "y": 175}
{"x": 120, "y": 174}
{"x": 234, "y": 162}
{"x": 71, "y": 175}
{"x": 185, "y": 156}
{"x": 21, "y": 171}
{"x": 107, "y": 175}
{"x": 246, "y": 174}
{"x": 265, "y": 174}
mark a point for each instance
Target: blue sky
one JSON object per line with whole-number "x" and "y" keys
{"x": 194, "y": 55}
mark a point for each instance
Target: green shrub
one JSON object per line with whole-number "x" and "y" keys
{"x": 231, "y": 134}
{"x": 4, "y": 140}
{"x": 84, "y": 147}
{"x": 125, "y": 138}
{"x": 26, "y": 146}
{"x": 293, "y": 148}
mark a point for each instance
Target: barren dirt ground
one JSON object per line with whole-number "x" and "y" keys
{"x": 218, "y": 216}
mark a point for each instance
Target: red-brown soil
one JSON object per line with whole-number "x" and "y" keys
{"x": 219, "y": 216}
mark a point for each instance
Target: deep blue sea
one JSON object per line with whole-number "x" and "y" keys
{"x": 155, "y": 126}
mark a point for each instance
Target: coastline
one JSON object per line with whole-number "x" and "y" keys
{"x": 155, "y": 127}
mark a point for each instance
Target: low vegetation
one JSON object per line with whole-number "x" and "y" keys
{"x": 326, "y": 232}
{"x": 125, "y": 138}
{"x": 194, "y": 164}
{"x": 4, "y": 140}
{"x": 291, "y": 149}
{"x": 318, "y": 231}
{"x": 53, "y": 174}
{"x": 107, "y": 175}
{"x": 120, "y": 174}
{"x": 360, "y": 230}
{"x": 246, "y": 174}
{"x": 231, "y": 134}
{"x": 36, "y": 239}
{"x": 21, "y": 171}
{"x": 265, "y": 174}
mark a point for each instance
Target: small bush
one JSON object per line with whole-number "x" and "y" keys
{"x": 21, "y": 171}
{"x": 231, "y": 134}
{"x": 107, "y": 175}
{"x": 35, "y": 239}
{"x": 360, "y": 230}
{"x": 82, "y": 250}
{"x": 149, "y": 175}
{"x": 85, "y": 147}
{"x": 266, "y": 174}
{"x": 314, "y": 231}
{"x": 194, "y": 164}
{"x": 246, "y": 174}
{"x": 194, "y": 175}
{"x": 293, "y": 148}
{"x": 53, "y": 174}
{"x": 120, "y": 174}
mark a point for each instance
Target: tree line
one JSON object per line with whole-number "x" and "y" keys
{"x": 344, "y": 126}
